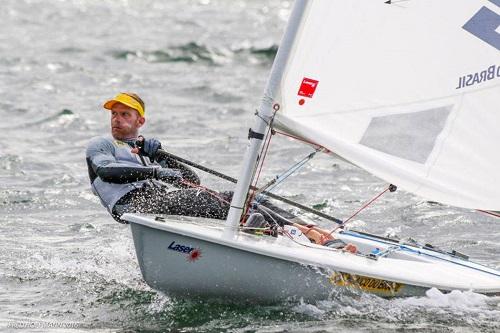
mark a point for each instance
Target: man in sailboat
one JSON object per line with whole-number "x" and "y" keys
{"x": 132, "y": 179}
{"x": 127, "y": 178}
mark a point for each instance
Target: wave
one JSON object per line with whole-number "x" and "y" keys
{"x": 61, "y": 114}
{"x": 193, "y": 52}
{"x": 64, "y": 118}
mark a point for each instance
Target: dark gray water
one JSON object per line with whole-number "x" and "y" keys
{"x": 65, "y": 265}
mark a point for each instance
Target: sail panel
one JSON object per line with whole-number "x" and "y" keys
{"x": 402, "y": 90}
{"x": 397, "y": 134}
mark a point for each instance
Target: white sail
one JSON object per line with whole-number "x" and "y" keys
{"x": 408, "y": 90}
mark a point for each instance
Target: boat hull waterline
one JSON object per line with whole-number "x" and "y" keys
{"x": 195, "y": 257}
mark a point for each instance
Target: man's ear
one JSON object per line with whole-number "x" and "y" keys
{"x": 141, "y": 121}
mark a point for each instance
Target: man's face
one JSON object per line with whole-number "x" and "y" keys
{"x": 125, "y": 122}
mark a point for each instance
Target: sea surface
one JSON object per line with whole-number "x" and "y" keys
{"x": 201, "y": 67}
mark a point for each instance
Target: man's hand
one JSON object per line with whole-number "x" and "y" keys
{"x": 148, "y": 147}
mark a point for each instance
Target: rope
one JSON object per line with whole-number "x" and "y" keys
{"x": 390, "y": 188}
{"x": 263, "y": 154}
{"x": 487, "y": 212}
{"x": 253, "y": 193}
{"x": 205, "y": 189}
{"x": 300, "y": 139}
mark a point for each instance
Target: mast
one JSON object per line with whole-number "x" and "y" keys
{"x": 264, "y": 113}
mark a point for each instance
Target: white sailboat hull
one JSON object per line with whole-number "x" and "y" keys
{"x": 194, "y": 257}
{"x": 221, "y": 271}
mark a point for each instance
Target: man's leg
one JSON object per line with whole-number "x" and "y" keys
{"x": 134, "y": 201}
{"x": 193, "y": 202}
{"x": 157, "y": 200}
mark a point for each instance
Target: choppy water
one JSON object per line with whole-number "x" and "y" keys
{"x": 65, "y": 265}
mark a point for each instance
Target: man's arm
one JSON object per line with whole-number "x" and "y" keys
{"x": 150, "y": 148}
{"x": 103, "y": 164}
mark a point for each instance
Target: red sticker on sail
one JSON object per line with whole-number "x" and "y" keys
{"x": 308, "y": 87}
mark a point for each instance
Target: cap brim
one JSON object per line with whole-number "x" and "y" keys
{"x": 109, "y": 104}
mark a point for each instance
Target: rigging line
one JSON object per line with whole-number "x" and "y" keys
{"x": 267, "y": 121}
{"x": 262, "y": 157}
{"x": 280, "y": 178}
{"x": 263, "y": 154}
{"x": 390, "y": 188}
{"x": 287, "y": 173}
{"x": 300, "y": 139}
{"x": 205, "y": 189}
{"x": 260, "y": 167}
{"x": 490, "y": 212}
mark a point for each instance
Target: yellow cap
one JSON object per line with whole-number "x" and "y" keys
{"x": 128, "y": 99}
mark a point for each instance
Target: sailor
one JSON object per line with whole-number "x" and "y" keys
{"x": 131, "y": 179}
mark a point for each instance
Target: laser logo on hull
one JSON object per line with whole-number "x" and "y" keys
{"x": 192, "y": 253}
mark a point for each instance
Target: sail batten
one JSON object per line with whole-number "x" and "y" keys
{"x": 407, "y": 92}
